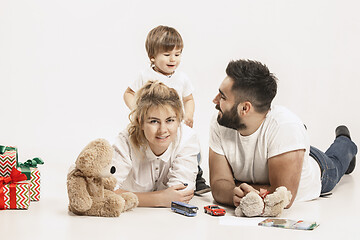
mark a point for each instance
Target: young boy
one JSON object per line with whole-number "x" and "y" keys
{"x": 164, "y": 47}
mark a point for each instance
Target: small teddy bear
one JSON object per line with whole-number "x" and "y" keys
{"x": 90, "y": 184}
{"x": 264, "y": 204}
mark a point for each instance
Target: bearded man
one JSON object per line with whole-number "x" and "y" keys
{"x": 254, "y": 144}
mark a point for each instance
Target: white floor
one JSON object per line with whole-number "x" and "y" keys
{"x": 49, "y": 218}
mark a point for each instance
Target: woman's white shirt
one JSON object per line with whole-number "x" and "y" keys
{"x": 142, "y": 171}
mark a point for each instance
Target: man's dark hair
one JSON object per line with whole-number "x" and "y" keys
{"x": 253, "y": 82}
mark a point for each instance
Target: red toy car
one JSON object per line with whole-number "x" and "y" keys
{"x": 214, "y": 210}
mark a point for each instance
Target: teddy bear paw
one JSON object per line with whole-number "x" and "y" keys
{"x": 113, "y": 206}
{"x": 131, "y": 200}
{"x": 238, "y": 212}
{"x": 252, "y": 205}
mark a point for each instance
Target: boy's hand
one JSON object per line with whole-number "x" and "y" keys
{"x": 189, "y": 121}
{"x": 129, "y": 98}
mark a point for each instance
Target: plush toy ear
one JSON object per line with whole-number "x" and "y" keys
{"x": 94, "y": 157}
{"x": 86, "y": 159}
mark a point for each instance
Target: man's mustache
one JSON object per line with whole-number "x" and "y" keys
{"x": 217, "y": 106}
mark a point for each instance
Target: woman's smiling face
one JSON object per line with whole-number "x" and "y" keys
{"x": 160, "y": 128}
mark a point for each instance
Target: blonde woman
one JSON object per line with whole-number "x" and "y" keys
{"x": 157, "y": 154}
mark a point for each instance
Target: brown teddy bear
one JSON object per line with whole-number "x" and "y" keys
{"x": 263, "y": 204}
{"x": 90, "y": 184}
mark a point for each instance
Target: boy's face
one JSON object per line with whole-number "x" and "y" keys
{"x": 166, "y": 62}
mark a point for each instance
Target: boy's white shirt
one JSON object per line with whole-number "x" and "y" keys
{"x": 179, "y": 81}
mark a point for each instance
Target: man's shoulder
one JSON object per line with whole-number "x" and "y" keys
{"x": 283, "y": 122}
{"x": 221, "y": 138}
{"x": 282, "y": 115}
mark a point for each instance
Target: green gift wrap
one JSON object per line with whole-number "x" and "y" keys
{"x": 29, "y": 168}
{"x": 8, "y": 160}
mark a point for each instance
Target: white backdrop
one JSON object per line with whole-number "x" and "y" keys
{"x": 64, "y": 64}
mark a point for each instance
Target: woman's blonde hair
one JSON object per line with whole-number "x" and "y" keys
{"x": 152, "y": 94}
{"x": 162, "y": 39}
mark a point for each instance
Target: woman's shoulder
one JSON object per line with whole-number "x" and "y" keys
{"x": 124, "y": 133}
{"x": 122, "y": 138}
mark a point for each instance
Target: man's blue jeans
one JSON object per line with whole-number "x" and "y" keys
{"x": 334, "y": 162}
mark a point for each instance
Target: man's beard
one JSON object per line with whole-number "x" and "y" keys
{"x": 230, "y": 119}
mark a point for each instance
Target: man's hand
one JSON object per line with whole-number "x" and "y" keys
{"x": 241, "y": 191}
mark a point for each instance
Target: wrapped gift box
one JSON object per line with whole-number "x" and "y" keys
{"x": 29, "y": 168}
{"x": 8, "y": 160}
{"x": 15, "y": 196}
{"x": 14, "y": 191}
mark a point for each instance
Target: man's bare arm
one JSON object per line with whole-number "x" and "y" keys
{"x": 221, "y": 178}
{"x": 285, "y": 170}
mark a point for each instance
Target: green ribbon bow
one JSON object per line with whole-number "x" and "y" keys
{"x": 31, "y": 163}
{"x": 3, "y": 149}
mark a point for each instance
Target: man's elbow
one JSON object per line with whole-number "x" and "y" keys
{"x": 216, "y": 195}
{"x": 218, "y": 198}
{"x": 221, "y": 196}
{"x": 293, "y": 196}
{"x": 291, "y": 202}
{"x": 289, "y": 205}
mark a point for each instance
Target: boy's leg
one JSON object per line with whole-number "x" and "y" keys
{"x": 201, "y": 186}
{"x": 335, "y": 161}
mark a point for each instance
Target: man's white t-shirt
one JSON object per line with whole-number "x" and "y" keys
{"x": 143, "y": 171}
{"x": 281, "y": 132}
{"x": 179, "y": 81}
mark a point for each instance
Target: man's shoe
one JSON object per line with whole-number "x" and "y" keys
{"x": 201, "y": 187}
{"x": 344, "y": 131}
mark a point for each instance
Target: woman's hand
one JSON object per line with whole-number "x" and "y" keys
{"x": 241, "y": 191}
{"x": 174, "y": 193}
